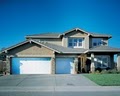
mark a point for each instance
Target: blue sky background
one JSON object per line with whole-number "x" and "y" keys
{"x": 22, "y": 17}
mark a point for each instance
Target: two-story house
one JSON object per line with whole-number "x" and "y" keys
{"x": 71, "y": 52}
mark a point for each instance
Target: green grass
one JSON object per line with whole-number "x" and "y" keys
{"x": 105, "y": 79}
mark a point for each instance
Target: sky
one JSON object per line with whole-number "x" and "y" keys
{"x": 19, "y": 18}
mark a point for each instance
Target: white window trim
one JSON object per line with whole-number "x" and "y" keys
{"x": 102, "y": 56}
{"x": 77, "y": 43}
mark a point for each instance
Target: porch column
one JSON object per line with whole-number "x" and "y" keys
{"x": 118, "y": 61}
{"x": 92, "y": 67}
{"x": 75, "y": 67}
{"x": 7, "y": 65}
{"x": 53, "y": 65}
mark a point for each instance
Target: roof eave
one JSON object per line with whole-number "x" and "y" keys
{"x": 17, "y": 45}
{"x": 76, "y": 29}
{"x": 41, "y": 37}
{"x": 100, "y": 36}
{"x": 105, "y": 51}
{"x": 14, "y": 46}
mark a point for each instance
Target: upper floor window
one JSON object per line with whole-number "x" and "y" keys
{"x": 75, "y": 42}
{"x": 97, "y": 42}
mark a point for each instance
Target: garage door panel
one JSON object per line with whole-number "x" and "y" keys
{"x": 15, "y": 66}
{"x": 63, "y": 65}
{"x": 32, "y": 65}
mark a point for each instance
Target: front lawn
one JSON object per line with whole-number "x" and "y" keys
{"x": 105, "y": 79}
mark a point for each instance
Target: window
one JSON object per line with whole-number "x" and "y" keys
{"x": 70, "y": 42}
{"x": 101, "y": 61}
{"x": 97, "y": 42}
{"x": 75, "y": 42}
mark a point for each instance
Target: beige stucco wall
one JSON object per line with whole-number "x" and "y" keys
{"x": 86, "y": 42}
{"x": 65, "y": 41}
{"x": 52, "y": 41}
{"x": 31, "y": 50}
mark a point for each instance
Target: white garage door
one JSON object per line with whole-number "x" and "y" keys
{"x": 31, "y": 66}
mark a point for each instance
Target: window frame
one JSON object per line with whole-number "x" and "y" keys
{"x": 101, "y": 61}
{"x": 98, "y": 41}
{"x": 75, "y": 44}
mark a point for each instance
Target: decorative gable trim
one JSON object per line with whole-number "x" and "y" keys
{"x": 27, "y": 41}
{"x": 76, "y": 29}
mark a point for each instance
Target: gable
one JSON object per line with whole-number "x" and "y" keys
{"x": 31, "y": 49}
{"x": 76, "y": 34}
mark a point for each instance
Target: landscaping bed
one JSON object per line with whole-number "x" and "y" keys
{"x": 105, "y": 79}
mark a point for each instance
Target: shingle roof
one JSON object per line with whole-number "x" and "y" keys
{"x": 66, "y": 50}
{"x": 104, "y": 49}
{"x": 45, "y": 35}
{"x": 58, "y": 35}
{"x": 16, "y": 45}
{"x": 100, "y": 35}
{"x": 62, "y": 49}
{"x": 24, "y": 42}
{"x": 56, "y": 48}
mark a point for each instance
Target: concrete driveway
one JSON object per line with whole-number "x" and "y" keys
{"x": 45, "y": 80}
{"x": 53, "y": 85}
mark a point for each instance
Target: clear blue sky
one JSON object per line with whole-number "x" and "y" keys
{"x": 22, "y": 17}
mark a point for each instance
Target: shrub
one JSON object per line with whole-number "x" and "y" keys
{"x": 104, "y": 72}
{"x": 98, "y": 69}
{"x": 113, "y": 71}
{"x": 97, "y": 72}
{"x": 108, "y": 68}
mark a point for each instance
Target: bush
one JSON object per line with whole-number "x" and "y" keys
{"x": 1, "y": 72}
{"x": 113, "y": 71}
{"x": 107, "y": 68}
{"x": 104, "y": 72}
{"x": 97, "y": 72}
{"x": 98, "y": 69}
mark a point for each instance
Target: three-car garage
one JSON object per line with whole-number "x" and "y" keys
{"x": 31, "y": 57}
{"x": 41, "y": 65}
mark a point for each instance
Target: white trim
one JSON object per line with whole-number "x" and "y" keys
{"x": 31, "y": 55}
{"x": 16, "y": 45}
{"x": 76, "y": 42}
{"x": 29, "y": 41}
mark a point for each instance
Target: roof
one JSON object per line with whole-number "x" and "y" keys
{"x": 45, "y": 35}
{"x": 24, "y": 42}
{"x": 58, "y": 35}
{"x": 14, "y": 46}
{"x": 66, "y": 50}
{"x": 62, "y": 49}
{"x": 56, "y": 48}
{"x": 75, "y": 29}
{"x": 100, "y": 35}
{"x": 104, "y": 49}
